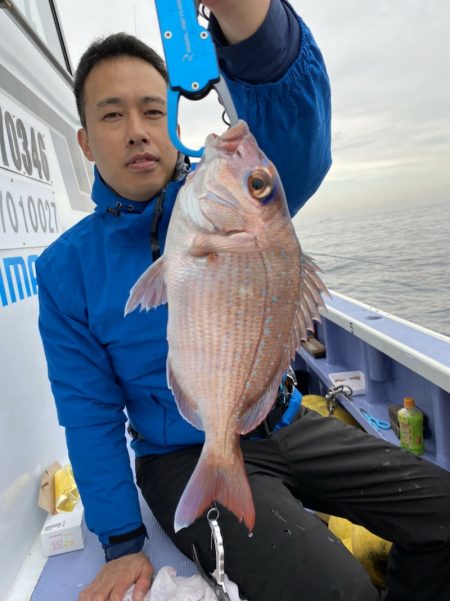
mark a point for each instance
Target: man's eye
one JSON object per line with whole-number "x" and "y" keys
{"x": 154, "y": 113}
{"x": 110, "y": 116}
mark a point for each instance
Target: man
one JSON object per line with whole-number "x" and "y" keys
{"x": 101, "y": 364}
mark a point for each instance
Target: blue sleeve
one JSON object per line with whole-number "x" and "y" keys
{"x": 267, "y": 54}
{"x": 291, "y": 119}
{"x": 90, "y": 406}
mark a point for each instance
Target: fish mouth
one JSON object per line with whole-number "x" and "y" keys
{"x": 230, "y": 140}
{"x": 236, "y": 132}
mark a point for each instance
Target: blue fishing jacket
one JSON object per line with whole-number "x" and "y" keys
{"x": 104, "y": 368}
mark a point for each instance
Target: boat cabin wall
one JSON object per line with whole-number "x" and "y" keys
{"x": 44, "y": 189}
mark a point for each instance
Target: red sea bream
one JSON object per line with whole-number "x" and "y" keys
{"x": 241, "y": 296}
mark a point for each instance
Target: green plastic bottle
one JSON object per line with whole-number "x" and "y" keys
{"x": 410, "y": 420}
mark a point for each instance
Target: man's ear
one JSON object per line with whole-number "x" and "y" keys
{"x": 83, "y": 142}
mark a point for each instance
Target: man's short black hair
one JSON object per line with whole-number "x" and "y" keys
{"x": 114, "y": 46}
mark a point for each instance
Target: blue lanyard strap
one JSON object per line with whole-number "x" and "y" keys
{"x": 191, "y": 63}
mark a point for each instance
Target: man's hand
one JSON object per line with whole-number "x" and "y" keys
{"x": 116, "y": 577}
{"x": 238, "y": 19}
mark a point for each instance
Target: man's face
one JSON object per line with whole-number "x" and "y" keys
{"x": 126, "y": 127}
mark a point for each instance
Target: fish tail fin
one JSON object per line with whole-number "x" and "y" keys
{"x": 211, "y": 481}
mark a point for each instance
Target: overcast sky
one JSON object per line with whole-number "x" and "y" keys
{"x": 389, "y": 66}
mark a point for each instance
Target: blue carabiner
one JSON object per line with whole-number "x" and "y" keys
{"x": 191, "y": 63}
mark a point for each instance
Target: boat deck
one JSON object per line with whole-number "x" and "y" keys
{"x": 65, "y": 576}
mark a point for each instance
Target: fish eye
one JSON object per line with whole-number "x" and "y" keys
{"x": 260, "y": 184}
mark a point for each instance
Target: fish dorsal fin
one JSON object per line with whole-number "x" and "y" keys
{"x": 307, "y": 310}
{"x": 185, "y": 405}
{"x": 308, "y": 306}
{"x": 150, "y": 290}
{"x": 259, "y": 410}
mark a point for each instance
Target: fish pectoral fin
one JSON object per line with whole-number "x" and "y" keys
{"x": 150, "y": 290}
{"x": 185, "y": 405}
{"x": 238, "y": 242}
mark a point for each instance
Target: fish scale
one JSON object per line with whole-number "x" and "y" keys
{"x": 245, "y": 337}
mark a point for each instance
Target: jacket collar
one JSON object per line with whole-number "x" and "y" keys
{"x": 107, "y": 200}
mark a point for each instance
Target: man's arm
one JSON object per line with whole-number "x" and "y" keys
{"x": 238, "y": 19}
{"x": 280, "y": 87}
{"x": 90, "y": 407}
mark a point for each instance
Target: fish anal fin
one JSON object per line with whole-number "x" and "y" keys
{"x": 185, "y": 406}
{"x": 224, "y": 482}
{"x": 150, "y": 290}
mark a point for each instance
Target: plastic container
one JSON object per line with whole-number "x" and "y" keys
{"x": 410, "y": 420}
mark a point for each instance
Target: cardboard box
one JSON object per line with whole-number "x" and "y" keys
{"x": 64, "y": 532}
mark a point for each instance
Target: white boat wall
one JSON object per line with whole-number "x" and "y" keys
{"x": 44, "y": 189}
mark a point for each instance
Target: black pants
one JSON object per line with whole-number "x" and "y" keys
{"x": 322, "y": 464}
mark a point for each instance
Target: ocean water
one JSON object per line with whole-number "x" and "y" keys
{"x": 397, "y": 261}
